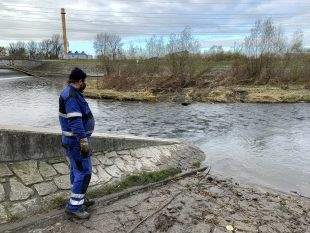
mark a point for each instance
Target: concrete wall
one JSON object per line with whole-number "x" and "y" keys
{"x": 22, "y": 143}
{"x": 34, "y": 172}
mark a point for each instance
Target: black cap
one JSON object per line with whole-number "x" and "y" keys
{"x": 77, "y": 74}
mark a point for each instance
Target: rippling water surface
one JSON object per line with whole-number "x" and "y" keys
{"x": 266, "y": 144}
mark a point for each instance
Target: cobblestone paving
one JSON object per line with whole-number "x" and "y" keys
{"x": 203, "y": 204}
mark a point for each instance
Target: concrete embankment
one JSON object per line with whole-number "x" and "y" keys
{"x": 34, "y": 171}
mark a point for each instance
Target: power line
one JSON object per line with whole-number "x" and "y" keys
{"x": 147, "y": 17}
{"x": 69, "y": 11}
{"x": 151, "y": 25}
{"x": 140, "y": 32}
{"x": 280, "y": 2}
{"x": 40, "y": 9}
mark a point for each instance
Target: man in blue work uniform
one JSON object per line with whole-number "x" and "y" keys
{"x": 77, "y": 124}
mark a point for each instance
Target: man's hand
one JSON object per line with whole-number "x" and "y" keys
{"x": 84, "y": 146}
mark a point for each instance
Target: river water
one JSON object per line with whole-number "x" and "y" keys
{"x": 265, "y": 144}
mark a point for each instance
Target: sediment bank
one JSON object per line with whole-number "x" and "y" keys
{"x": 221, "y": 94}
{"x": 199, "y": 204}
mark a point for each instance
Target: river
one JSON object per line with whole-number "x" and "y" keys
{"x": 265, "y": 144}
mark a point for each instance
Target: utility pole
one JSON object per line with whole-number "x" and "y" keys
{"x": 64, "y": 30}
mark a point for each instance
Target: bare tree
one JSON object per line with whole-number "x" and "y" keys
{"x": 45, "y": 48}
{"x": 108, "y": 48}
{"x": 154, "y": 49}
{"x": 132, "y": 50}
{"x": 56, "y": 46}
{"x": 181, "y": 48}
{"x": 2, "y": 52}
{"x": 32, "y": 49}
{"x": 294, "y": 58}
{"x": 187, "y": 42}
{"x": 216, "y": 49}
{"x": 265, "y": 42}
{"x": 155, "y": 46}
{"x": 17, "y": 50}
{"x": 297, "y": 42}
{"x": 107, "y": 44}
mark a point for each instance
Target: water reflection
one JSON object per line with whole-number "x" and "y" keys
{"x": 262, "y": 143}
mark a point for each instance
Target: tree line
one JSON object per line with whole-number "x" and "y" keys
{"x": 266, "y": 55}
{"x": 46, "y": 49}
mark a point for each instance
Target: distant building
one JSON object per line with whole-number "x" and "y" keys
{"x": 77, "y": 55}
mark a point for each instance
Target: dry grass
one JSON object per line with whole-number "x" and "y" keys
{"x": 254, "y": 94}
{"x": 120, "y": 95}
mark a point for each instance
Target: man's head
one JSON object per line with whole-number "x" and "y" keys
{"x": 78, "y": 78}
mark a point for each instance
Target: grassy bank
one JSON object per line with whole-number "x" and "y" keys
{"x": 254, "y": 94}
{"x": 119, "y": 95}
{"x": 214, "y": 79}
{"x": 221, "y": 94}
{"x": 142, "y": 178}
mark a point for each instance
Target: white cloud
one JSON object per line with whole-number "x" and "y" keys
{"x": 224, "y": 20}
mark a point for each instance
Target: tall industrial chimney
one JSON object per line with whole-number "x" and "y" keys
{"x": 64, "y": 30}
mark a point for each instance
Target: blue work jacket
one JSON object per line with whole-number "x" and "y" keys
{"x": 75, "y": 117}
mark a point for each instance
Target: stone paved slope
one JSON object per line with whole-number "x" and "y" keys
{"x": 211, "y": 206}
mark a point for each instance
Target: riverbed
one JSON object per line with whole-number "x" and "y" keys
{"x": 265, "y": 144}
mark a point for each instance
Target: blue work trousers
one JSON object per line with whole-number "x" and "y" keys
{"x": 80, "y": 175}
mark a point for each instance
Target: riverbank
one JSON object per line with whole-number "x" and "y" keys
{"x": 221, "y": 94}
{"x": 199, "y": 203}
{"x": 152, "y": 89}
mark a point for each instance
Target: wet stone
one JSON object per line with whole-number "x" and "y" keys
{"x": 27, "y": 171}
{"x": 94, "y": 170}
{"x": 148, "y": 165}
{"x": 57, "y": 160}
{"x": 245, "y": 227}
{"x": 105, "y": 160}
{"x": 165, "y": 152}
{"x": 19, "y": 191}
{"x": 31, "y": 205}
{"x": 2, "y": 193}
{"x": 111, "y": 154}
{"x": 62, "y": 182}
{"x": 113, "y": 171}
{"x": 46, "y": 170}
{"x": 139, "y": 153}
{"x": 138, "y": 165}
{"x": 103, "y": 176}
{"x": 219, "y": 230}
{"x": 17, "y": 209}
{"x": 120, "y": 164}
{"x": 3, "y": 215}
{"x": 265, "y": 229}
{"x": 280, "y": 227}
{"x": 94, "y": 161}
{"x": 215, "y": 192}
{"x": 61, "y": 168}
{"x": 4, "y": 170}
{"x": 47, "y": 200}
{"x": 201, "y": 228}
{"x": 123, "y": 152}
{"x": 45, "y": 188}
{"x": 94, "y": 180}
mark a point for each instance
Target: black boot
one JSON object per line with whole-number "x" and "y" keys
{"x": 88, "y": 203}
{"x": 81, "y": 214}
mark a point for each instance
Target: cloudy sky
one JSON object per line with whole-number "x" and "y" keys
{"x": 213, "y": 22}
